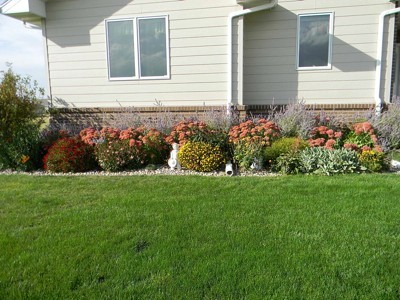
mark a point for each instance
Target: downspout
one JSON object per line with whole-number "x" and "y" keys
{"x": 230, "y": 40}
{"x": 46, "y": 57}
{"x": 379, "y": 54}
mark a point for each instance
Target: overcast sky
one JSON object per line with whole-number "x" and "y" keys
{"x": 23, "y": 47}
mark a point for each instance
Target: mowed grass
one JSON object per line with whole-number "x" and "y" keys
{"x": 166, "y": 237}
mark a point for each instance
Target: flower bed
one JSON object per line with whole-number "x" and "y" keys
{"x": 324, "y": 147}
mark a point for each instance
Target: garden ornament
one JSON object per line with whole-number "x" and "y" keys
{"x": 257, "y": 164}
{"x": 173, "y": 161}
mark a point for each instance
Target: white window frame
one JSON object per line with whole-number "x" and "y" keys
{"x": 136, "y": 45}
{"x": 331, "y": 27}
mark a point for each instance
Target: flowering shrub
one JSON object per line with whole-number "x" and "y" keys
{"x": 47, "y": 138}
{"x": 146, "y": 146}
{"x": 201, "y": 157}
{"x": 185, "y": 130}
{"x": 322, "y": 136}
{"x": 69, "y": 155}
{"x": 388, "y": 126}
{"x": 250, "y": 138}
{"x": 295, "y": 120}
{"x": 89, "y": 136}
{"x": 362, "y": 138}
{"x": 373, "y": 160}
{"x": 110, "y": 133}
{"x": 196, "y": 131}
{"x": 116, "y": 155}
{"x": 155, "y": 149}
{"x": 262, "y": 132}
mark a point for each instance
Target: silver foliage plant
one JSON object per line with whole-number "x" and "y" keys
{"x": 387, "y": 126}
{"x": 295, "y": 120}
{"x": 324, "y": 161}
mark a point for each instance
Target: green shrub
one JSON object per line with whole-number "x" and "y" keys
{"x": 20, "y": 120}
{"x": 69, "y": 155}
{"x": 324, "y": 161}
{"x": 23, "y": 152}
{"x": 373, "y": 160}
{"x": 246, "y": 152}
{"x": 201, "y": 157}
{"x": 288, "y": 163}
{"x": 283, "y": 146}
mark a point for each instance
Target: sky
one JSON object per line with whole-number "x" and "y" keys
{"x": 23, "y": 48}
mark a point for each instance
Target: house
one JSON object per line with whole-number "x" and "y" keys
{"x": 188, "y": 55}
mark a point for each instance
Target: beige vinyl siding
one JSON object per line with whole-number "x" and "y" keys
{"x": 270, "y": 74}
{"x": 77, "y": 53}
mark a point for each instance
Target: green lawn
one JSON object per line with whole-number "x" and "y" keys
{"x": 166, "y": 237}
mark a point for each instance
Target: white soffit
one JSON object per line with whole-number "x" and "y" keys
{"x": 252, "y": 3}
{"x": 30, "y": 11}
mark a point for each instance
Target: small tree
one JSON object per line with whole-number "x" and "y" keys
{"x": 20, "y": 120}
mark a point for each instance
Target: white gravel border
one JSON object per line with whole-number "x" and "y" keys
{"x": 164, "y": 170}
{"x": 143, "y": 172}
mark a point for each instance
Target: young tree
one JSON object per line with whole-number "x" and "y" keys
{"x": 21, "y": 116}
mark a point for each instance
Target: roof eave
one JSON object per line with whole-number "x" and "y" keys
{"x": 252, "y": 3}
{"x": 31, "y": 11}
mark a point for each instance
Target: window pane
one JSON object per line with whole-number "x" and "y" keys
{"x": 314, "y": 41}
{"x": 121, "y": 49}
{"x": 153, "y": 47}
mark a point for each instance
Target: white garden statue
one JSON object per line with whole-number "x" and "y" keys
{"x": 173, "y": 161}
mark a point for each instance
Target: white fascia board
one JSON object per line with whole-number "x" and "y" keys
{"x": 252, "y": 3}
{"x": 24, "y": 10}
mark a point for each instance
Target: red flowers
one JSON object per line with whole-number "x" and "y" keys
{"x": 69, "y": 155}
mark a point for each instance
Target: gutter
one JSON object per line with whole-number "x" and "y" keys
{"x": 230, "y": 39}
{"x": 2, "y": 5}
{"x": 379, "y": 54}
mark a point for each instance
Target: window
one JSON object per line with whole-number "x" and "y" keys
{"x": 314, "y": 41}
{"x": 138, "y": 48}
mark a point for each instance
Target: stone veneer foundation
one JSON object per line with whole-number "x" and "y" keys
{"x": 122, "y": 117}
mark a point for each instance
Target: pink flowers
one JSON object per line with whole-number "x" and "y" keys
{"x": 89, "y": 136}
{"x": 146, "y": 145}
{"x": 261, "y": 131}
{"x": 322, "y": 136}
{"x": 362, "y": 138}
{"x": 364, "y": 127}
{"x": 182, "y": 131}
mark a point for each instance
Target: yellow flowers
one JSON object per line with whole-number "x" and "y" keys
{"x": 372, "y": 160}
{"x": 201, "y": 157}
{"x": 24, "y": 159}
